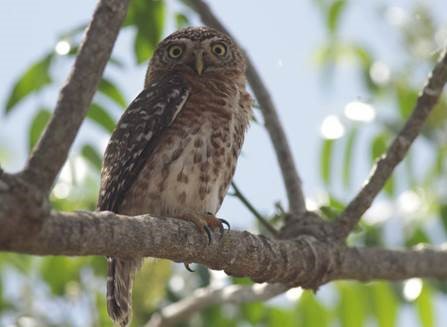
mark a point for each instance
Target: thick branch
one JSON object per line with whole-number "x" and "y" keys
{"x": 301, "y": 262}
{"x": 76, "y": 95}
{"x": 203, "y": 298}
{"x": 206, "y": 297}
{"x": 272, "y": 123}
{"x": 396, "y": 151}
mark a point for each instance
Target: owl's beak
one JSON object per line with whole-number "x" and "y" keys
{"x": 199, "y": 64}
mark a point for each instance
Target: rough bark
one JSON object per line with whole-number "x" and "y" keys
{"x": 75, "y": 97}
{"x": 302, "y": 261}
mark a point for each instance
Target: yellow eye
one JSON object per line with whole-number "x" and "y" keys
{"x": 175, "y": 51}
{"x": 219, "y": 49}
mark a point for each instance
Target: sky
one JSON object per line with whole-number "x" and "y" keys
{"x": 281, "y": 38}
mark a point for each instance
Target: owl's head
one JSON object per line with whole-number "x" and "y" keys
{"x": 197, "y": 50}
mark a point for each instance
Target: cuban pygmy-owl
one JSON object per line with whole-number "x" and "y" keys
{"x": 174, "y": 150}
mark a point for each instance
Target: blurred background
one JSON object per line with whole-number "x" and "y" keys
{"x": 344, "y": 75}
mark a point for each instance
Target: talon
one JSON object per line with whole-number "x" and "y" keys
{"x": 224, "y": 222}
{"x": 186, "y": 264}
{"x": 221, "y": 231}
{"x": 208, "y": 232}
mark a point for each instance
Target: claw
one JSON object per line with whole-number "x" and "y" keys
{"x": 208, "y": 232}
{"x": 224, "y": 222}
{"x": 221, "y": 231}
{"x": 187, "y": 266}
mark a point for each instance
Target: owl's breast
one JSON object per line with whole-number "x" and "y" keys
{"x": 191, "y": 168}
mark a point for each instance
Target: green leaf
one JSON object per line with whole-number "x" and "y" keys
{"x": 333, "y": 208}
{"x": 38, "y": 124}
{"x": 390, "y": 187}
{"x": 329, "y": 212}
{"x": 372, "y": 235}
{"x": 2, "y": 301}
{"x": 181, "y": 20}
{"x": 352, "y": 307}
{"x": 384, "y": 304}
{"x": 214, "y": 316}
{"x": 103, "y": 318}
{"x": 347, "y": 157}
{"x": 21, "y": 262}
{"x": 34, "y": 79}
{"x": 100, "y": 116}
{"x": 438, "y": 166}
{"x": 362, "y": 54}
{"x": 148, "y": 18}
{"x": 334, "y": 14}
{"x": 241, "y": 280}
{"x": 378, "y": 146}
{"x": 417, "y": 236}
{"x": 98, "y": 265}
{"x": 311, "y": 312}
{"x": 281, "y": 317}
{"x": 58, "y": 271}
{"x": 254, "y": 312}
{"x": 143, "y": 49}
{"x": 424, "y": 307}
{"x": 336, "y": 204}
{"x": 443, "y": 214}
{"x": 326, "y": 160}
{"x": 91, "y": 155}
{"x": 153, "y": 273}
{"x": 406, "y": 99}
{"x": 110, "y": 90}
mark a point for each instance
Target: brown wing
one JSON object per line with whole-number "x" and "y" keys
{"x": 136, "y": 135}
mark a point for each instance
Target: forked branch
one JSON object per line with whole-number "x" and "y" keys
{"x": 396, "y": 151}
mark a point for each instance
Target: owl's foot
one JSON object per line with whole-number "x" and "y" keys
{"x": 187, "y": 267}
{"x": 206, "y": 222}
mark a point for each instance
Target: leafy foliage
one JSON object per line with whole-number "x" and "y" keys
{"x": 33, "y": 80}
{"x": 38, "y": 124}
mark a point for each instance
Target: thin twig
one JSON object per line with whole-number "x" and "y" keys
{"x": 206, "y": 297}
{"x": 237, "y": 193}
{"x": 396, "y": 151}
{"x": 76, "y": 95}
{"x": 272, "y": 123}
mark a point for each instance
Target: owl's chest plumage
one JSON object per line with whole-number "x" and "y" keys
{"x": 193, "y": 164}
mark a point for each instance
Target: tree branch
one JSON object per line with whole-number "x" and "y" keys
{"x": 396, "y": 151}
{"x": 303, "y": 261}
{"x": 76, "y": 95}
{"x": 272, "y": 123}
{"x": 236, "y": 294}
{"x": 206, "y": 297}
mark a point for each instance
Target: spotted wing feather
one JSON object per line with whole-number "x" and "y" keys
{"x": 136, "y": 135}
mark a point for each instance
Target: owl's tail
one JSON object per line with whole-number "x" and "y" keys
{"x": 120, "y": 274}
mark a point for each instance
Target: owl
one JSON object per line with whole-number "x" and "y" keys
{"x": 174, "y": 150}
